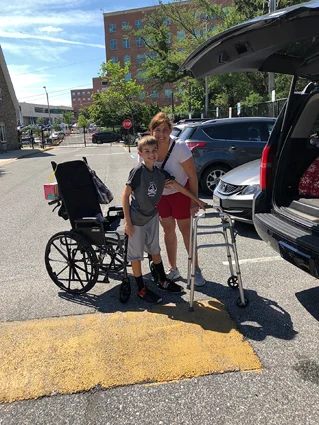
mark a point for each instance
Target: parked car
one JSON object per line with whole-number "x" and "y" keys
{"x": 105, "y": 137}
{"x": 284, "y": 42}
{"x": 235, "y": 191}
{"x": 223, "y": 144}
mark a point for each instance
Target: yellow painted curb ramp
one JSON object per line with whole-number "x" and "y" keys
{"x": 77, "y": 353}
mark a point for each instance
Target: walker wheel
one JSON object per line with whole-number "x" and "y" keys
{"x": 154, "y": 272}
{"x": 233, "y": 282}
{"x": 240, "y": 304}
{"x": 125, "y": 290}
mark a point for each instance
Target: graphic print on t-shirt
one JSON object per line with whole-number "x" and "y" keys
{"x": 152, "y": 189}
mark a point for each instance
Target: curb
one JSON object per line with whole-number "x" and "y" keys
{"x": 9, "y": 160}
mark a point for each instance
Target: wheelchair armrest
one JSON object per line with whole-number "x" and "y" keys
{"x": 116, "y": 208}
{"x": 86, "y": 220}
{"x": 115, "y": 211}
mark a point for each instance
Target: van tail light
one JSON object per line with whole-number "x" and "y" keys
{"x": 266, "y": 167}
{"x": 194, "y": 145}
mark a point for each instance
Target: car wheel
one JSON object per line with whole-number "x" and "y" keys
{"x": 211, "y": 176}
{"x": 99, "y": 142}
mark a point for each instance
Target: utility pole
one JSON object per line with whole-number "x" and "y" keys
{"x": 45, "y": 89}
{"x": 271, "y": 76}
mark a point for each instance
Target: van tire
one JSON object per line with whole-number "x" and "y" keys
{"x": 211, "y": 176}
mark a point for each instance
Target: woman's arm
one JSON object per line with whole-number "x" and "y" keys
{"x": 190, "y": 170}
{"x": 128, "y": 226}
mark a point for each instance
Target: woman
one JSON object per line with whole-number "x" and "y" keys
{"x": 174, "y": 207}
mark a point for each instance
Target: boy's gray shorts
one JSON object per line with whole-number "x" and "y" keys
{"x": 145, "y": 239}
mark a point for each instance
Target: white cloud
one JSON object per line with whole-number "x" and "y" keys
{"x": 20, "y": 35}
{"x": 39, "y": 52}
{"x": 50, "y": 29}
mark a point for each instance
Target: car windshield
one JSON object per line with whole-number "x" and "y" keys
{"x": 176, "y": 131}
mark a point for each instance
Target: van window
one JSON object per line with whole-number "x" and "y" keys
{"x": 187, "y": 133}
{"x": 216, "y": 132}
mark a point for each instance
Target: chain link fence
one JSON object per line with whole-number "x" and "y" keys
{"x": 264, "y": 109}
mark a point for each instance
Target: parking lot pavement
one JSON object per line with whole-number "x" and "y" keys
{"x": 11, "y": 156}
{"x": 281, "y": 324}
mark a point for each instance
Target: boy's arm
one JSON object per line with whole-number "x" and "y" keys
{"x": 188, "y": 193}
{"x": 128, "y": 226}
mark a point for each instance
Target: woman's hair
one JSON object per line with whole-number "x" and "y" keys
{"x": 158, "y": 119}
{"x": 146, "y": 141}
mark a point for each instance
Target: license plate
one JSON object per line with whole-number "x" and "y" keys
{"x": 216, "y": 201}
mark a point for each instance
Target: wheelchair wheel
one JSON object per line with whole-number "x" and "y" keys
{"x": 125, "y": 290}
{"x": 233, "y": 282}
{"x": 71, "y": 262}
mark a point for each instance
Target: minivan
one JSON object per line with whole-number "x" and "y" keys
{"x": 286, "y": 42}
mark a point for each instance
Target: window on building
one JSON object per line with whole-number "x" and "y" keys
{"x": 138, "y": 23}
{"x": 125, "y": 43}
{"x": 166, "y": 21}
{"x": 2, "y": 133}
{"x": 141, "y": 95}
{"x": 139, "y": 42}
{"x": 125, "y": 26}
{"x": 140, "y": 76}
{"x": 79, "y": 99}
{"x": 104, "y": 83}
{"x": 140, "y": 58}
{"x": 83, "y": 93}
{"x": 180, "y": 35}
{"x": 89, "y": 93}
{"x": 128, "y": 77}
{"x": 73, "y": 100}
{"x": 98, "y": 91}
{"x": 78, "y": 93}
{"x": 154, "y": 94}
{"x": 113, "y": 44}
{"x": 168, "y": 93}
{"x": 103, "y": 88}
{"x": 114, "y": 59}
{"x": 126, "y": 58}
{"x": 112, "y": 27}
{"x": 152, "y": 55}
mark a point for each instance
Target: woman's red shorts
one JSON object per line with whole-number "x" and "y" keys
{"x": 176, "y": 205}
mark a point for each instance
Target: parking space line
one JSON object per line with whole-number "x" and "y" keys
{"x": 255, "y": 260}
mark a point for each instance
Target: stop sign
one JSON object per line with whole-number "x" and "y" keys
{"x": 127, "y": 124}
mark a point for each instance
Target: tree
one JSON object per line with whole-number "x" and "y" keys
{"x": 120, "y": 100}
{"x": 68, "y": 117}
{"x": 40, "y": 121}
{"x": 83, "y": 122}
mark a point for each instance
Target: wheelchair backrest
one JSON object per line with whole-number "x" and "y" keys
{"x": 77, "y": 190}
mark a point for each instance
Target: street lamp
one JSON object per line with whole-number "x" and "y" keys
{"x": 48, "y": 104}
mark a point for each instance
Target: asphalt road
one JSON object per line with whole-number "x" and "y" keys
{"x": 281, "y": 321}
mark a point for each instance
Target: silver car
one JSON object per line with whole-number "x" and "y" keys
{"x": 236, "y": 189}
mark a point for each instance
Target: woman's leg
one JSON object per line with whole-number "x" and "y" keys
{"x": 170, "y": 239}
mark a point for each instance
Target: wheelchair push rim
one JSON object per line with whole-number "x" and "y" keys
{"x": 71, "y": 262}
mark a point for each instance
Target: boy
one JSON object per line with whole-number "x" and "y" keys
{"x": 144, "y": 188}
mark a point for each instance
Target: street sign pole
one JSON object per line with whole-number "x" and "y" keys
{"x": 127, "y": 124}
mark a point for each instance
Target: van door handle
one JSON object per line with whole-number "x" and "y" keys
{"x": 233, "y": 147}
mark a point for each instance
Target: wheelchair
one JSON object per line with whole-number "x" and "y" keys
{"x": 95, "y": 246}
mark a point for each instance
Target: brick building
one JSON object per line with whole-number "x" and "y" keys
{"x": 81, "y": 98}
{"x": 9, "y": 108}
{"x": 121, "y": 46}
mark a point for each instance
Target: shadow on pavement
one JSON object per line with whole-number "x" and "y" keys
{"x": 246, "y": 230}
{"x": 310, "y": 301}
{"x": 261, "y": 318}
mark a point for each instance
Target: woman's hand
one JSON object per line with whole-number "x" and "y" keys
{"x": 202, "y": 204}
{"x": 129, "y": 229}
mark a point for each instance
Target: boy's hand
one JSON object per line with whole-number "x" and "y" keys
{"x": 168, "y": 183}
{"x": 194, "y": 208}
{"x": 202, "y": 204}
{"x": 129, "y": 229}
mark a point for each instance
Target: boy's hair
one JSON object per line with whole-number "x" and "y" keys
{"x": 146, "y": 141}
{"x": 159, "y": 119}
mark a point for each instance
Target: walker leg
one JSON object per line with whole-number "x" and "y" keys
{"x": 194, "y": 247}
{"x": 242, "y": 299}
{"x": 190, "y": 251}
{"x": 229, "y": 257}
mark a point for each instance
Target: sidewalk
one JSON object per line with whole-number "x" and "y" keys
{"x": 10, "y": 156}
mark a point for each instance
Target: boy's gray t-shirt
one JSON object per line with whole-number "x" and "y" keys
{"x": 147, "y": 189}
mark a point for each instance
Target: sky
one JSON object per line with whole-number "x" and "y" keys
{"x": 58, "y": 44}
